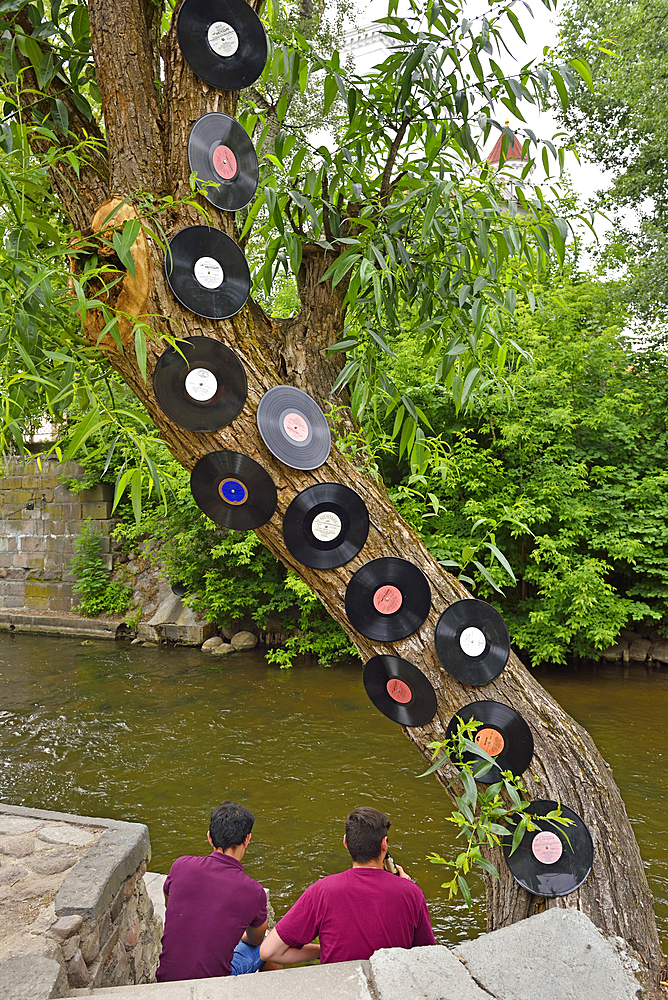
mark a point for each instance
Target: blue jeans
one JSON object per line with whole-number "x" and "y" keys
{"x": 245, "y": 959}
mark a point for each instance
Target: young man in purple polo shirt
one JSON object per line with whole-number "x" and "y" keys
{"x": 354, "y": 912}
{"x": 216, "y": 915}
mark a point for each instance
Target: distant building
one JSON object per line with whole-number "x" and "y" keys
{"x": 512, "y": 169}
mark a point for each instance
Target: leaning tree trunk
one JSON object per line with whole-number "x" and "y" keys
{"x": 147, "y": 151}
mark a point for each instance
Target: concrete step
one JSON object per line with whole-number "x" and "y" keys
{"x": 44, "y": 623}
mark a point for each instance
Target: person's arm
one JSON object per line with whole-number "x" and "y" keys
{"x": 274, "y": 949}
{"x": 423, "y": 935}
{"x": 255, "y": 935}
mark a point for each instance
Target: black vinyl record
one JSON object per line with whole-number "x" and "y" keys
{"x": 545, "y": 863}
{"x": 233, "y": 490}
{"x": 220, "y": 151}
{"x": 294, "y": 428}
{"x": 223, "y": 42}
{"x": 387, "y": 599}
{"x": 399, "y": 690}
{"x": 504, "y": 735}
{"x": 207, "y": 272}
{"x": 472, "y": 641}
{"x": 204, "y": 392}
{"x": 326, "y": 525}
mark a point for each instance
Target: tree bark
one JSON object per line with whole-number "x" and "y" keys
{"x": 566, "y": 765}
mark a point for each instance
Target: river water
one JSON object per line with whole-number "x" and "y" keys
{"x": 159, "y": 736}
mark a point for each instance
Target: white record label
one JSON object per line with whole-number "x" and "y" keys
{"x": 326, "y": 526}
{"x": 201, "y": 384}
{"x": 208, "y": 272}
{"x": 473, "y": 641}
{"x": 223, "y": 39}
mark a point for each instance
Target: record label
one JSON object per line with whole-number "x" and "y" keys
{"x": 388, "y": 599}
{"x": 553, "y": 860}
{"x": 200, "y": 385}
{"x": 491, "y": 741}
{"x": 224, "y": 162}
{"x": 546, "y": 847}
{"x": 504, "y": 735}
{"x": 223, "y": 42}
{"x": 207, "y": 272}
{"x": 223, "y": 39}
{"x": 294, "y": 428}
{"x": 233, "y": 490}
{"x": 472, "y": 641}
{"x": 399, "y": 690}
{"x": 326, "y": 525}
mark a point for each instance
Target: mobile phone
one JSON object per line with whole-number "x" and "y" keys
{"x": 389, "y": 864}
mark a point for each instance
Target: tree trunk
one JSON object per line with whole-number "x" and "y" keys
{"x": 149, "y": 153}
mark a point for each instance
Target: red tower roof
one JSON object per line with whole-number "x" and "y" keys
{"x": 514, "y": 151}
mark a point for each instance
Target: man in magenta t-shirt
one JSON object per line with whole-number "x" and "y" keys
{"x": 216, "y": 915}
{"x": 354, "y": 912}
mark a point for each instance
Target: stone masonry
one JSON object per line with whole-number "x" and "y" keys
{"x": 36, "y": 545}
{"x": 73, "y": 903}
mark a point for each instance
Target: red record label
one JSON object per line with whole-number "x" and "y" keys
{"x": 387, "y": 600}
{"x": 295, "y": 427}
{"x": 491, "y": 741}
{"x": 224, "y": 162}
{"x": 399, "y": 691}
{"x": 546, "y": 847}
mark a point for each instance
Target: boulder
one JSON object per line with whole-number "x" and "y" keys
{"x": 224, "y": 649}
{"x": 244, "y": 640}
{"x": 211, "y": 643}
{"x": 639, "y": 649}
{"x": 615, "y": 652}
{"x": 659, "y": 651}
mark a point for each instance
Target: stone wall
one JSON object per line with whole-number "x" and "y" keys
{"x": 36, "y": 545}
{"x": 73, "y": 901}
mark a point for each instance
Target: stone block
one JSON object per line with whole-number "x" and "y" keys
{"x": 61, "y": 494}
{"x": 659, "y": 651}
{"x": 98, "y": 511}
{"x": 71, "y": 511}
{"x": 211, "y": 643}
{"x": 31, "y": 977}
{"x": 66, "y": 926}
{"x": 64, "y": 833}
{"x": 559, "y": 949}
{"x": 101, "y": 492}
{"x": 56, "y": 512}
{"x": 90, "y": 943}
{"x": 11, "y": 588}
{"x": 16, "y": 825}
{"x": 13, "y": 602}
{"x": 70, "y": 947}
{"x": 639, "y": 649}
{"x": 77, "y": 973}
{"x": 244, "y": 640}
{"x": 225, "y": 649}
{"x": 431, "y": 973}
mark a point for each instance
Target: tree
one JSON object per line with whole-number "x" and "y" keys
{"x": 622, "y": 124}
{"x": 398, "y": 216}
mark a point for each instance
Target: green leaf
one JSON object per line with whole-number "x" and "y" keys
{"x": 140, "y": 350}
{"x": 60, "y": 116}
{"x": 466, "y": 892}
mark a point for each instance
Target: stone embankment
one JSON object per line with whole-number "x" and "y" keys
{"x": 556, "y": 955}
{"x": 74, "y": 909}
{"x": 648, "y": 647}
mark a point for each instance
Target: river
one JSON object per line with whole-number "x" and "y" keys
{"x": 159, "y": 736}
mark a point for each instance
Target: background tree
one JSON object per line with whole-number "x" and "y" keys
{"x": 397, "y": 216}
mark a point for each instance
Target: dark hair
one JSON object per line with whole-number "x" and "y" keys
{"x": 230, "y": 824}
{"x": 365, "y": 829}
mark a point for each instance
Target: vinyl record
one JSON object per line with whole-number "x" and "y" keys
{"x": 223, "y": 42}
{"x": 326, "y": 525}
{"x": 207, "y": 272}
{"x": 294, "y": 428}
{"x": 504, "y": 735}
{"x": 399, "y": 690}
{"x": 233, "y": 490}
{"x": 220, "y": 151}
{"x": 545, "y": 863}
{"x": 472, "y": 641}
{"x": 204, "y": 392}
{"x": 388, "y": 599}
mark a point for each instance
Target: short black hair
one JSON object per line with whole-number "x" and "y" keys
{"x": 230, "y": 824}
{"x": 365, "y": 829}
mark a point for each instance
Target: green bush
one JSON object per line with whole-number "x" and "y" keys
{"x": 97, "y": 593}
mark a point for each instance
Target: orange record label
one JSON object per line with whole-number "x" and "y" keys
{"x": 399, "y": 691}
{"x": 387, "y": 599}
{"x": 491, "y": 741}
{"x": 546, "y": 847}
